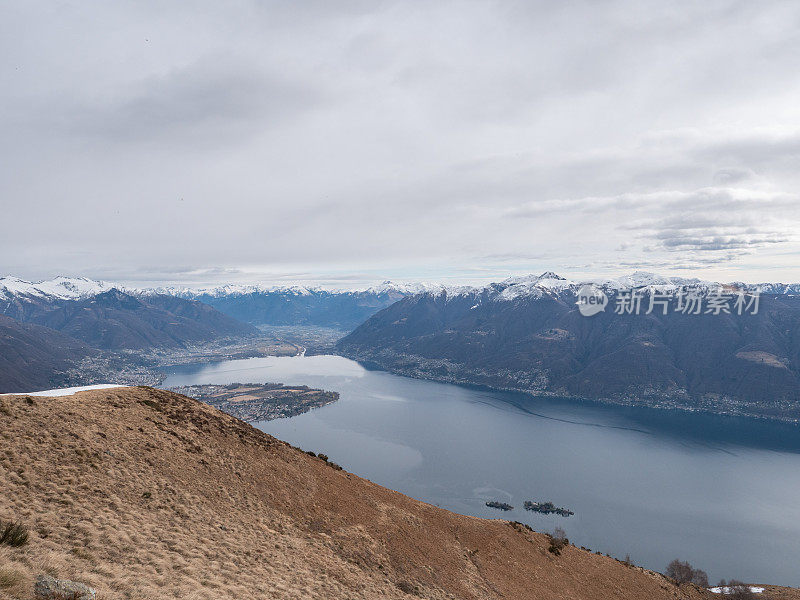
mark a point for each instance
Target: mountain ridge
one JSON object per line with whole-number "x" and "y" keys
{"x": 48, "y": 340}
{"x": 342, "y": 309}
{"x": 81, "y": 287}
{"x": 530, "y": 336}
{"x": 32, "y": 356}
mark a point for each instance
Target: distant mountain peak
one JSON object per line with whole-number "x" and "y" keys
{"x": 61, "y": 287}
{"x": 551, "y": 275}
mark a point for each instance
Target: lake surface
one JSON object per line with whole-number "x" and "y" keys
{"x": 720, "y": 492}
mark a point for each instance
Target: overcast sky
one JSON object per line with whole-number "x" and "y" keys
{"x": 342, "y": 142}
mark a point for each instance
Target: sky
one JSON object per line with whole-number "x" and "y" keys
{"x": 340, "y": 143}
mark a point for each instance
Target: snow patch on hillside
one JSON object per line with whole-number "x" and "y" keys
{"x": 533, "y": 286}
{"x": 67, "y": 391}
{"x": 728, "y": 590}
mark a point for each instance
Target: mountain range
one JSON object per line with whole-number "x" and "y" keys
{"x": 524, "y": 333}
{"x": 338, "y": 309}
{"x": 254, "y": 304}
{"x": 528, "y": 334}
{"x": 49, "y": 328}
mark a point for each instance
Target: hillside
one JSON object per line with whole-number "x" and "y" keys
{"x": 146, "y": 494}
{"x": 528, "y": 334}
{"x": 70, "y": 331}
{"x": 34, "y": 357}
{"x": 115, "y": 320}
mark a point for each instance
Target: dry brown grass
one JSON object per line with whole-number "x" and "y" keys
{"x": 146, "y": 494}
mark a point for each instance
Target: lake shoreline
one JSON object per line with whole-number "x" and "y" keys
{"x": 666, "y": 404}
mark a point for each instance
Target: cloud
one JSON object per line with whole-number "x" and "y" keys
{"x": 269, "y": 140}
{"x": 208, "y": 101}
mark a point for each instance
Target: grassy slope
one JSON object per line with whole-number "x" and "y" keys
{"x": 147, "y": 494}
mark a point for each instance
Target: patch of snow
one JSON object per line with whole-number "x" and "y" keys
{"x": 67, "y": 391}
{"x": 727, "y": 590}
{"x": 532, "y": 286}
{"x": 404, "y": 288}
{"x": 548, "y": 279}
{"x": 642, "y": 279}
{"x": 786, "y": 289}
{"x": 13, "y": 286}
{"x": 231, "y": 290}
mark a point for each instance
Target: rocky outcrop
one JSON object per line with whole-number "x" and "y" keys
{"x": 49, "y": 588}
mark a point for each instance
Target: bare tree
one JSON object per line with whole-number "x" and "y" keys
{"x": 683, "y": 572}
{"x": 558, "y": 540}
{"x": 679, "y": 571}
{"x": 700, "y": 577}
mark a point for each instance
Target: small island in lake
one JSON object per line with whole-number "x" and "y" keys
{"x": 547, "y": 508}
{"x": 499, "y": 505}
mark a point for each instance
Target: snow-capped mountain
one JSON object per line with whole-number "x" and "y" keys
{"x": 227, "y": 290}
{"x": 106, "y": 316}
{"x": 345, "y": 309}
{"x": 299, "y": 305}
{"x": 529, "y": 333}
{"x": 252, "y": 303}
{"x": 386, "y": 287}
{"x": 550, "y": 284}
{"x": 63, "y": 288}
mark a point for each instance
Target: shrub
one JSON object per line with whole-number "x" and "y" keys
{"x": 408, "y": 588}
{"x": 10, "y": 578}
{"x": 558, "y": 541}
{"x": 520, "y": 526}
{"x": 13, "y": 534}
{"x": 739, "y": 591}
{"x": 683, "y": 572}
{"x": 153, "y": 404}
